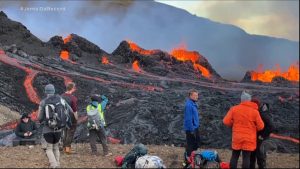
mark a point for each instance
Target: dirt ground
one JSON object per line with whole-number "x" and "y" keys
{"x": 7, "y": 115}
{"x": 25, "y": 157}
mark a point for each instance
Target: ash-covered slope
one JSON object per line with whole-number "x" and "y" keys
{"x": 12, "y": 32}
{"x": 144, "y": 106}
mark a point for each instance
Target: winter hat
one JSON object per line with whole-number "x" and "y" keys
{"x": 245, "y": 96}
{"x": 49, "y": 89}
{"x": 24, "y": 115}
{"x": 95, "y": 97}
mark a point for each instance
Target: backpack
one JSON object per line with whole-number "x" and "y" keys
{"x": 94, "y": 119}
{"x": 203, "y": 159}
{"x": 148, "y": 161}
{"x": 131, "y": 157}
{"x": 57, "y": 116}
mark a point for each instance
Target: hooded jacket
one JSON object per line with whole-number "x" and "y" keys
{"x": 267, "y": 119}
{"x": 245, "y": 122}
{"x": 22, "y": 128}
{"x": 191, "y": 118}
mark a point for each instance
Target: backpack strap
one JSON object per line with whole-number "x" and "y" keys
{"x": 47, "y": 109}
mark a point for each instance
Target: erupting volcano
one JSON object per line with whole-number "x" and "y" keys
{"x": 292, "y": 74}
{"x": 182, "y": 54}
{"x": 146, "y": 107}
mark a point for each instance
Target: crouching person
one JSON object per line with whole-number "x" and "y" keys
{"x": 53, "y": 115}
{"x": 96, "y": 124}
{"x": 25, "y": 131}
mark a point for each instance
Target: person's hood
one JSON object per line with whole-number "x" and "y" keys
{"x": 250, "y": 104}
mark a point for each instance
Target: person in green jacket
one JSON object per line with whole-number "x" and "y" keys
{"x": 96, "y": 123}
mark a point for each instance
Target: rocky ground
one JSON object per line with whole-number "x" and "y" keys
{"x": 7, "y": 114}
{"x": 24, "y": 157}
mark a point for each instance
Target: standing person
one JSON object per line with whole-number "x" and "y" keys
{"x": 69, "y": 132}
{"x": 96, "y": 123}
{"x": 191, "y": 122}
{"x": 50, "y": 108}
{"x": 245, "y": 122}
{"x": 263, "y": 136}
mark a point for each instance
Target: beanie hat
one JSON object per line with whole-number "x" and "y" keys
{"x": 24, "y": 115}
{"x": 95, "y": 97}
{"x": 49, "y": 89}
{"x": 245, "y": 96}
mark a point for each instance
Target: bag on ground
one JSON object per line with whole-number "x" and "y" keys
{"x": 148, "y": 161}
{"x": 203, "y": 159}
{"x": 131, "y": 157}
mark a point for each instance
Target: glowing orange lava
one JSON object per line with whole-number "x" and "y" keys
{"x": 136, "y": 48}
{"x": 292, "y": 74}
{"x": 67, "y": 39}
{"x": 64, "y": 55}
{"x": 182, "y": 54}
{"x": 135, "y": 66}
{"x": 104, "y": 60}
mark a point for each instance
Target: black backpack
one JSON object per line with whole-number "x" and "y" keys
{"x": 131, "y": 157}
{"x": 56, "y": 112}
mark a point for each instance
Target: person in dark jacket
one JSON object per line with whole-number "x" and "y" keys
{"x": 263, "y": 136}
{"x": 25, "y": 131}
{"x": 69, "y": 132}
{"x": 191, "y": 122}
{"x": 51, "y": 135}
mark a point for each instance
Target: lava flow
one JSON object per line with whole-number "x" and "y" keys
{"x": 135, "y": 66}
{"x": 104, "y": 60}
{"x": 292, "y": 74}
{"x": 64, "y": 55}
{"x": 28, "y": 85}
{"x": 182, "y": 54}
{"x": 134, "y": 47}
{"x": 67, "y": 39}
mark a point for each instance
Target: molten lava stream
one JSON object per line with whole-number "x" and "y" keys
{"x": 134, "y": 47}
{"x": 67, "y": 39}
{"x": 182, "y": 54}
{"x": 104, "y": 60}
{"x": 135, "y": 66}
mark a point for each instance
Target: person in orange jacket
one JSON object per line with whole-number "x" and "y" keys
{"x": 245, "y": 121}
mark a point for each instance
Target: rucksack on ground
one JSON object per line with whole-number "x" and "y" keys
{"x": 131, "y": 157}
{"x": 203, "y": 159}
{"x": 94, "y": 119}
{"x": 148, "y": 161}
{"x": 56, "y": 111}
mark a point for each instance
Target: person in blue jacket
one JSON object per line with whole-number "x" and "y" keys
{"x": 191, "y": 122}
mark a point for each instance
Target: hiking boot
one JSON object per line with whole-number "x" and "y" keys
{"x": 107, "y": 154}
{"x": 68, "y": 150}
